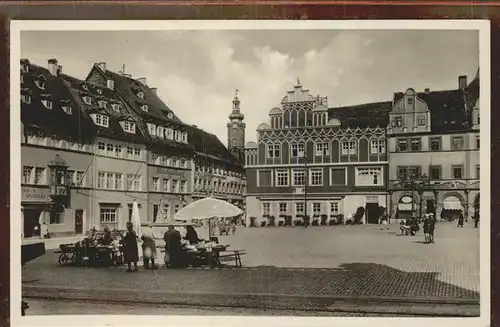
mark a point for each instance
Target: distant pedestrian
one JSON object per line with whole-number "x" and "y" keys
{"x": 476, "y": 220}
{"x": 432, "y": 227}
{"x": 426, "y": 226}
{"x": 148, "y": 251}
{"x": 130, "y": 248}
{"x": 461, "y": 220}
{"x": 45, "y": 230}
{"x": 384, "y": 222}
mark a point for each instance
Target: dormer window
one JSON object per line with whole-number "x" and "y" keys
{"x": 151, "y": 129}
{"x": 160, "y": 132}
{"x": 184, "y": 137}
{"x": 26, "y": 96}
{"x": 140, "y": 94}
{"x": 47, "y": 102}
{"x": 99, "y": 91}
{"x": 87, "y": 100}
{"x": 397, "y": 122}
{"x": 177, "y": 136}
{"x": 85, "y": 87}
{"x": 40, "y": 84}
{"x": 170, "y": 115}
{"x": 25, "y": 68}
{"x": 67, "y": 109}
{"x": 145, "y": 108}
{"x": 100, "y": 120}
{"x": 128, "y": 126}
{"x": 115, "y": 107}
{"x": 102, "y": 104}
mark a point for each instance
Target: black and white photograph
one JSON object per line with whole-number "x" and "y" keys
{"x": 267, "y": 170}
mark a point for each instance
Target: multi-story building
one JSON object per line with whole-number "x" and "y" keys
{"x": 318, "y": 161}
{"x": 433, "y": 142}
{"x": 90, "y": 148}
{"x": 168, "y": 154}
{"x": 53, "y": 150}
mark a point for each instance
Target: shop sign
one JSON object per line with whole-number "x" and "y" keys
{"x": 372, "y": 199}
{"x": 171, "y": 172}
{"x": 34, "y": 194}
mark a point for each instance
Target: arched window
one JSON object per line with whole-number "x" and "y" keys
{"x": 309, "y": 121}
{"x": 293, "y": 118}
{"x": 302, "y": 118}
{"x": 286, "y": 116}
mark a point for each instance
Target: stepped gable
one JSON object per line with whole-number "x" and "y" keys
{"x": 80, "y": 89}
{"x": 207, "y": 144}
{"x": 75, "y": 126}
{"x": 369, "y": 115}
{"x": 448, "y": 113}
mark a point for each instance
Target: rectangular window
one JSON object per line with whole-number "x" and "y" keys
{"x": 416, "y": 144}
{"x": 71, "y": 177}
{"x": 478, "y": 143}
{"x": 118, "y": 151}
{"x": 130, "y": 181}
{"x": 283, "y": 208}
{"x": 101, "y": 148}
{"x": 80, "y": 178}
{"x": 402, "y": 145}
{"x": 369, "y": 176}
{"x": 265, "y": 178}
{"x": 110, "y": 181}
{"x": 175, "y": 186}
{"x": 402, "y": 173}
{"x": 27, "y": 174}
{"x": 183, "y": 187}
{"x": 334, "y": 208}
{"x": 156, "y": 184}
{"x": 40, "y": 176}
{"x": 349, "y": 148}
{"x": 377, "y": 146}
{"x": 108, "y": 215}
{"x": 397, "y": 122}
{"x": 137, "y": 183}
{"x": 130, "y": 152}
{"x": 414, "y": 171}
{"x": 316, "y": 177}
{"x": 457, "y": 143}
{"x": 118, "y": 181}
{"x": 266, "y": 208}
{"x": 129, "y": 127}
{"x": 421, "y": 120}
{"x": 101, "y": 179}
{"x": 316, "y": 208}
{"x": 299, "y": 208}
{"x": 273, "y": 150}
{"x": 435, "y": 173}
{"x": 322, "y": 149}
{"x": 457, "y": 172}
{"x": 282, "y": 178}
{"x": 166, "y": 185}
{"x": 102, "y": 120}
{"x": 297, "y": 150}
{"x": 478, "y": 172}
{"x": 435, "y": 143}
{"x": 56, "y": 218}
{"x": 110, "y": 148}
{"x": 137, "y": 153}
{"x": 299, "y": 178}
{"x": 410, "y": 101}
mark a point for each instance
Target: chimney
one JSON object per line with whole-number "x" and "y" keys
{"x": 102, "y": 66}
{"x": 142, "y": 80}
{"x": 111, "y": 84}
{"x": 59, "y": 69}
{"x": 155, "y": 90}
{"x": 53, "y": 67}
{"x": 462, "y": 82}
{"x": 427, "y": 90}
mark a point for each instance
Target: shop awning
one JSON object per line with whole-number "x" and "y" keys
{"x": 404, "y": 206}
{"x": 452, "y": 203}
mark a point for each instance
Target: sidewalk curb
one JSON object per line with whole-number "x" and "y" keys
{"x": 353, "y": 304}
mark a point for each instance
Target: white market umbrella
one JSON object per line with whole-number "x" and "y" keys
{"x": 136, "y": 221}
{"x": 206, "y": 209}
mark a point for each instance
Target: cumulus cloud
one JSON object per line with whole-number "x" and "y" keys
{"x": 197, "y": 72}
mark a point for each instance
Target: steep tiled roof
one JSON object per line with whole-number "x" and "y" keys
{"x": 208, "y": 144}
{"x": 77, "y": 126}
{"x": 362, "y": 116}
{"x": 79, "y": 88}
{"x": 473, "y": 91}
{"x": 129, "y": 88}
{"x": 447, "y": 108}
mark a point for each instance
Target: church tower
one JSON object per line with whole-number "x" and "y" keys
{"x": 236, "y": 131}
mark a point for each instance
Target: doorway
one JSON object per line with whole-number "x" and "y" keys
{"x": 79, "y": 221}
{"x": 372, "y": 213}
{"x": 31, "y": 226}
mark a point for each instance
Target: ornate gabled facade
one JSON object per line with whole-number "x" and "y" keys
{"x": 91, "y": 147}
{"x": 320, "y": 161}
{"x": 433, "y": 141}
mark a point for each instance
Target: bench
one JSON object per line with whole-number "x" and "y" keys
{"x": 229, "y": 255}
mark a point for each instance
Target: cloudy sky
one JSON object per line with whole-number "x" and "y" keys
{"x": 197, "y": 72}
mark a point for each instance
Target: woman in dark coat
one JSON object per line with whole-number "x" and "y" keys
{"x": 130, "y": 248}
{"x": 191, "y": 235}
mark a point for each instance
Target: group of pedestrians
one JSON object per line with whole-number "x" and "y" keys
{"x": 429, "y": 225}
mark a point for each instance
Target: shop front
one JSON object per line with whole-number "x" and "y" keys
{"x": 34, "y": 210}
